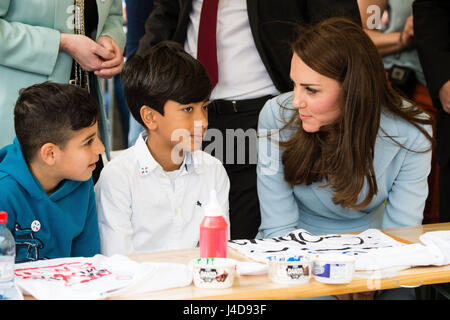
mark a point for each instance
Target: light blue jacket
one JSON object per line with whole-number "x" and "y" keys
{"x": 401, "y": 179}
{"x": 29, "y": 49}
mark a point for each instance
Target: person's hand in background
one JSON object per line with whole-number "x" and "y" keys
{"x": 444, "y": 96}
{"x": 407, "y": 35}
{"x": 113, "y": 66}
{"x": 89, "y": 54}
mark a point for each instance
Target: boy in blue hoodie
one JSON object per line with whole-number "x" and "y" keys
{"x": 45, "y": 175}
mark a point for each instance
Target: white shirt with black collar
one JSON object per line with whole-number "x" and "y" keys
{"x": 142, "y": 208}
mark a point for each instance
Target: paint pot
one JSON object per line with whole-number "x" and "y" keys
{"x": 294, "y": 269}
{"x": 334, "y": 268}
{"x": 215, "y": 273}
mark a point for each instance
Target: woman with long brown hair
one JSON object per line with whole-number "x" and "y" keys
{"x": 343, "y": 152}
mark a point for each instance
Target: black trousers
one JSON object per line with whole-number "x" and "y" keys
{"x": 443, "y": 157}
{"x": 245, "y": 217}
{"x": 444, "y": 192}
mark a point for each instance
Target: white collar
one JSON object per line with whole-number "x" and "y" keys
{"x": 148, "y": 164}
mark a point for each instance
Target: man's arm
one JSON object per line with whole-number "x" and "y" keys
{"x": 160, "y": 25}
{"x": 319, "y": 10}
{"x": 431, "y": 37}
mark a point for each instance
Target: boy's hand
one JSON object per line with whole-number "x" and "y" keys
{"x": 85, "y": 51}
{"x": 110, "y": 67}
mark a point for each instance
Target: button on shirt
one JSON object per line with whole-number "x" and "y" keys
{"x": 142, "y": 208}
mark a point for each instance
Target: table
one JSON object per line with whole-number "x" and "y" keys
{"x": 261, "y": 287}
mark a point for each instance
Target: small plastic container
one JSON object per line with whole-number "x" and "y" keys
{"x": 334, "y": 268}
{"x": 293, "y": 270}
{"x": 213, "y": 273}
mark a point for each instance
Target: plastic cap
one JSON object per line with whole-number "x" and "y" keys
{"x": 213, "y": 208}
{"x": 3, "y": 217}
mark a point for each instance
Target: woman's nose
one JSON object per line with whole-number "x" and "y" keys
{"x": 298, "y": 101}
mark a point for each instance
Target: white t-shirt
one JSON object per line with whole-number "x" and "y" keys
{"x": 140, "y": 211}
{"x": 242, "y": 74}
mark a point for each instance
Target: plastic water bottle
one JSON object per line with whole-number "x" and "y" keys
{"x": 213, "y": 230}
{"x": 8, "y": 289}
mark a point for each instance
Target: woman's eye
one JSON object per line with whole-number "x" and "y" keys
{"x": 89, "y": 142}
{"x": 205, "y": 108}
{"x": 187, "y": 109}
{"x": 311, "y": 90}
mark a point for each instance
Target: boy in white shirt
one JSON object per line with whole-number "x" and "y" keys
{"x": 151, "y": 196}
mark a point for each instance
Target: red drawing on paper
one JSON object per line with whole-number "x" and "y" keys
{"x": 71, "y": 273}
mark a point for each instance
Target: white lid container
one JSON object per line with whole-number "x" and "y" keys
{"x": 334, "y": 268}
{"x": 213, "y": 273}
{"x": 293, "y": 269}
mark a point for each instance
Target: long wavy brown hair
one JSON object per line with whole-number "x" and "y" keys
{"x": 343, "y": 152}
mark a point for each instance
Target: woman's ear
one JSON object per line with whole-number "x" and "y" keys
{"x": 148, "y": 116}
{"x": 48, "y": 153}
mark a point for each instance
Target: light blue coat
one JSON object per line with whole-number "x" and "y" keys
{"x": 401, "y": 179}
{"x": 29, "y": 49}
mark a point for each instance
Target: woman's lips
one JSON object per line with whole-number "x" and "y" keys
{"x": 304, "y": 117}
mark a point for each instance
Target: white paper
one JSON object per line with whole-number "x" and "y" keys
{"x": 373, "y": 250}
{"x": 435, "y": 250}
{"x": 97, "y": 277}
{"x": 251, "y": 268}
{"x": 301, "y": 242}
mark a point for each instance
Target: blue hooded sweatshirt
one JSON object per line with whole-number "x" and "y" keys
{"x": 63, "y": 224}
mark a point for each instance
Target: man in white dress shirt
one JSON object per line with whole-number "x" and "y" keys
{"x": 151, "y": 197}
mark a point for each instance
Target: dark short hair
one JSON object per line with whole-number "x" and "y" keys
{"x": 166, "y": 72}
{"x": 51, "y": 112}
